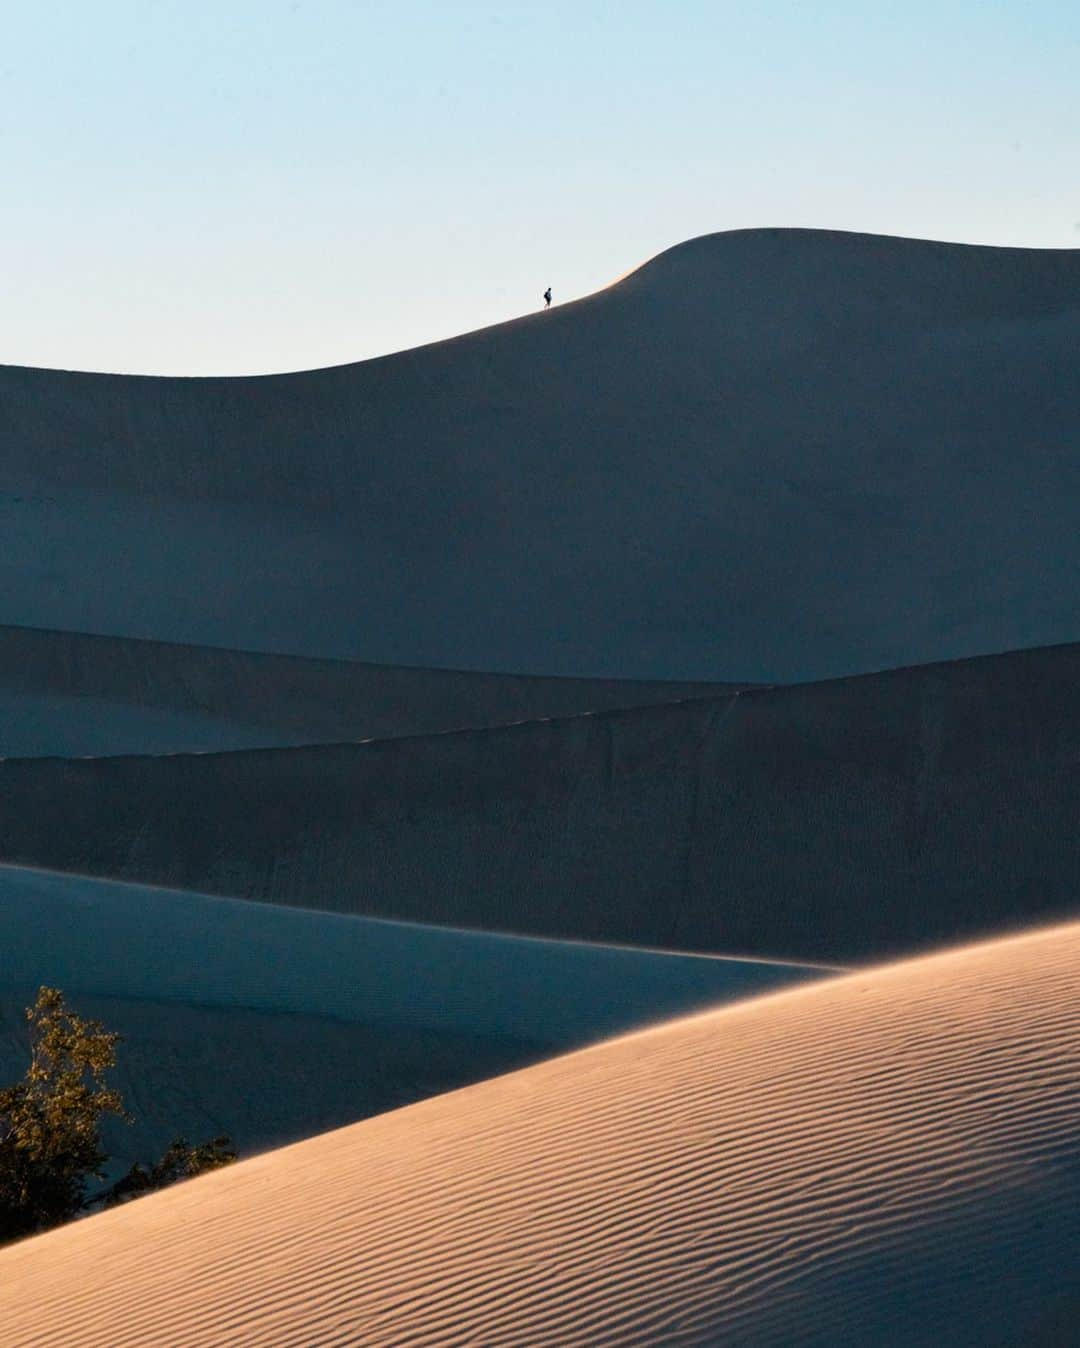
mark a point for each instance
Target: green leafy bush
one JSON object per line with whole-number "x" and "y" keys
{"x": 50, "y": 1128}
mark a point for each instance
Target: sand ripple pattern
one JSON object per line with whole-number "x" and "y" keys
{"x": 891, "y": 1157}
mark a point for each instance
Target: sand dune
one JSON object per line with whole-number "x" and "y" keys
{"x": 356, "y": 1016}
{"x": 890, "y": 1158}
{"x": 73, "y": 694}
{"x": 134, "y": 941}
{"x": 241, "y": 725}
{"x": 826, "y": 822}
{"x": 770, "y": 455}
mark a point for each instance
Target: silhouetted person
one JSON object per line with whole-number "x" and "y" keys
{"x": 547, "y": 298}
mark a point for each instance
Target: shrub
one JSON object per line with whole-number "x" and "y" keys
{"x": 50, "y": 1127}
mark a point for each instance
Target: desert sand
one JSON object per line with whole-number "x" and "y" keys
{"x": 498, "y": 770}
{"x": 890, "y": 1157}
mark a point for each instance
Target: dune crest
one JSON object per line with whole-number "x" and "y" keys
{"x": 950, "y": 792}
{"x": 620, "y": 487}
{"x": 74, "y": 694}
{"x": 890, "y": 1157}
{"x": 357, "y": 1016}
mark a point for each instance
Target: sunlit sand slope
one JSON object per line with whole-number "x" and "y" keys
{"x": 70, "y": 693}
{"x": 824, "y": 822}
{"x": 768, "y": 455}
{"x": 892, "y": 1158}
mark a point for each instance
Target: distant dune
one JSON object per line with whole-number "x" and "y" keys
{"x": 890, "y": 1158}
{"x": 272, "y": 1023}
{"x": 133, "y": 941}
{"x": 72, "y": 693}
{"x": 829, "y": 822}
{"x": 768, "y": 456}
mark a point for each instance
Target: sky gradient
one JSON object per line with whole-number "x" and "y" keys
{"x": 265, "y": 185}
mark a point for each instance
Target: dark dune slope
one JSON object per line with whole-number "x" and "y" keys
{"x": 832, "y": 822}
{"x": 356, "y": 1016}
{"x": 768, "y": 455}
{"x": 68, "y": 693}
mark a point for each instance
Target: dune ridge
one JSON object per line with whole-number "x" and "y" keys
{"x": 356, "y": 1016}
{"x": 616, "y": 488}
{"x": 79, "y": 694}
{"x": 949, "y": 794}
{"x": 126, "y": 940}
{"x": 891, "y": 1157}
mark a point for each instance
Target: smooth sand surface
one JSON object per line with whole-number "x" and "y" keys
{"x": 270, "y": 1023}
{"x": 133, "y": 941}
{"x": 828, "y": 822}
{"x": 769, "y": 455}
{"x": 889, "y": 1158}
{"x": 72, "y": 694}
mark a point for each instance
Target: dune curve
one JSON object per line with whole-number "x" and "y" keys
{"x": 891, "y": 1158}
{"x": 74, "y": 694}
{"x": 357, "y": 1016}
{"x": 948, "y": 793}
{"x": 620, "y": 487}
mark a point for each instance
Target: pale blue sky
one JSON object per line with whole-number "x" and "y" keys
{"x": 255, "y": 185}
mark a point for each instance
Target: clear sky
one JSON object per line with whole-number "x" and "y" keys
{"x": 201, "y": 186}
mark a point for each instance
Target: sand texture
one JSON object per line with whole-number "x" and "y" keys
{"x": 766, "y": 456}
{"x": 887, "y": 1158}
{"x": 827, "y": 822}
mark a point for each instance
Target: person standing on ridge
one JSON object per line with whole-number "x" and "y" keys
{"x": 547, "y": 298}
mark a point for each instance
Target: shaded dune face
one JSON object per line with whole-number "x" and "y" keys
{"x": 355, "y": 1016}
{"x": 74, "y": 694}
{"x": 770, "y": 455}
{"x": 887, "y": 1158}
{"x": 832, "y": 822}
